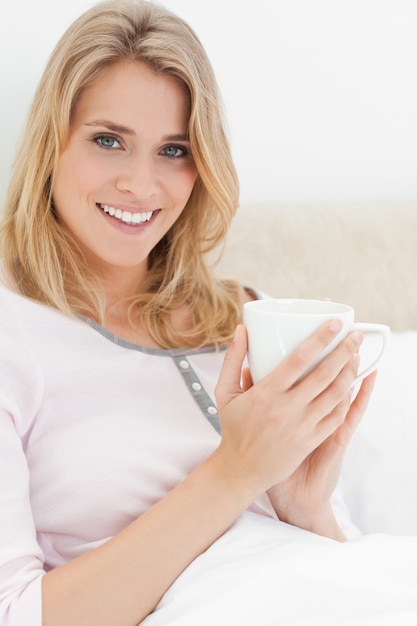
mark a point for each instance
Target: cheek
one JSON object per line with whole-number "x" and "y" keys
{"x": 65, "y": 175}
{"x": 75, "y": 179}
{"x": 184, "y": 183}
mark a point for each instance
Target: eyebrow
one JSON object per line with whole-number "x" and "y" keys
{"x": 125, "y": 130}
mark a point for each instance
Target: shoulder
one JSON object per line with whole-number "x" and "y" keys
{"x": 21, "y": 380}
{"x": 12, "y": 306}
{"x": 9, "y": 301}
{"x": 25, "y": 325}
{"x": 13, "y": 335}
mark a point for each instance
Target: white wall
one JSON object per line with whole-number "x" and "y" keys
{"x": 321, "y": 95}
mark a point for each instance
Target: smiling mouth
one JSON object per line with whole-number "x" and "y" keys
{"x": 132, "y": 219}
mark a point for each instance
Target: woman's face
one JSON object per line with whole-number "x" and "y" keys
{"x": 126, "y": 173}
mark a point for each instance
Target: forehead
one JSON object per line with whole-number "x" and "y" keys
{"x": 134, "y": 93}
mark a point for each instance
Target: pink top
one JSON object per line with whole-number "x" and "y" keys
{"x": 93, "y": 431}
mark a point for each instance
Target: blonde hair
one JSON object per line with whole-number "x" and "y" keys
{"x": 44, "y": 262}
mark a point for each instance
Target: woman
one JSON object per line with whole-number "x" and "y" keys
{"x": 113, "y": 336}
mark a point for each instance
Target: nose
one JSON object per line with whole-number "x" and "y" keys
{"x": 137, "y": 176}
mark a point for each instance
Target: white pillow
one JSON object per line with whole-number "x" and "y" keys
{"x": 380, "y": 469}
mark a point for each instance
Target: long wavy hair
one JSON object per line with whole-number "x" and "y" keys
{"x": 43, "y": 260}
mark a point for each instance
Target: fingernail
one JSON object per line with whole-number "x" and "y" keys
{"x": 357, "y": 337}
{"x": 335, "y": 325}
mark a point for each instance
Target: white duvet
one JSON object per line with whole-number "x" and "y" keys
{"x": 266, "y": 573}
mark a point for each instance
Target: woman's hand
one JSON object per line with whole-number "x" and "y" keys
{"x": 289, "y": 435}
{"x": 304, "y": 499}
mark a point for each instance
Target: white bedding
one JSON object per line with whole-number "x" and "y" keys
{"x": 380, "y": 469}
{"x": 265, "y": 573}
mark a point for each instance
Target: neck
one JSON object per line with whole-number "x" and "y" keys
{"x": 121, "y": 284}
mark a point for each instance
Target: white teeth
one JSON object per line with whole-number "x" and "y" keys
{"x": 126, "y": 216}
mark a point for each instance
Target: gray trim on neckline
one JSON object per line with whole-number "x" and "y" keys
{"x": 179, "y": 356}
{"x": 135, "y": 346}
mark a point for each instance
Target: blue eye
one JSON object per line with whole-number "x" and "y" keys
{"x": 175, "y": 152}
{"x": 107, "y": 141}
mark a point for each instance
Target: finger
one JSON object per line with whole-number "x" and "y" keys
{"x": 329, "y": 410}
{"x": 349, "y": 414}
{"x": 338, "y": 390}
{"x": 331, "y": 367}
{"x": 334, "y": 422}
{"x": 293, "y": 367}
{"x": 361, "y": 401}
{"x": 230, "y": 374}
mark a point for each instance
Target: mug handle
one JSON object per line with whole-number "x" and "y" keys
{"x": 368, "y": 329}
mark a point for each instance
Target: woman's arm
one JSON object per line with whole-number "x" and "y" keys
{"x": 122, "y": 581}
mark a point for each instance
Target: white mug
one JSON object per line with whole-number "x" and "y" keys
{"x": 276, "y": 326}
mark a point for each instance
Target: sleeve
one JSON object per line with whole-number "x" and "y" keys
{"x": 21, "y": 559}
